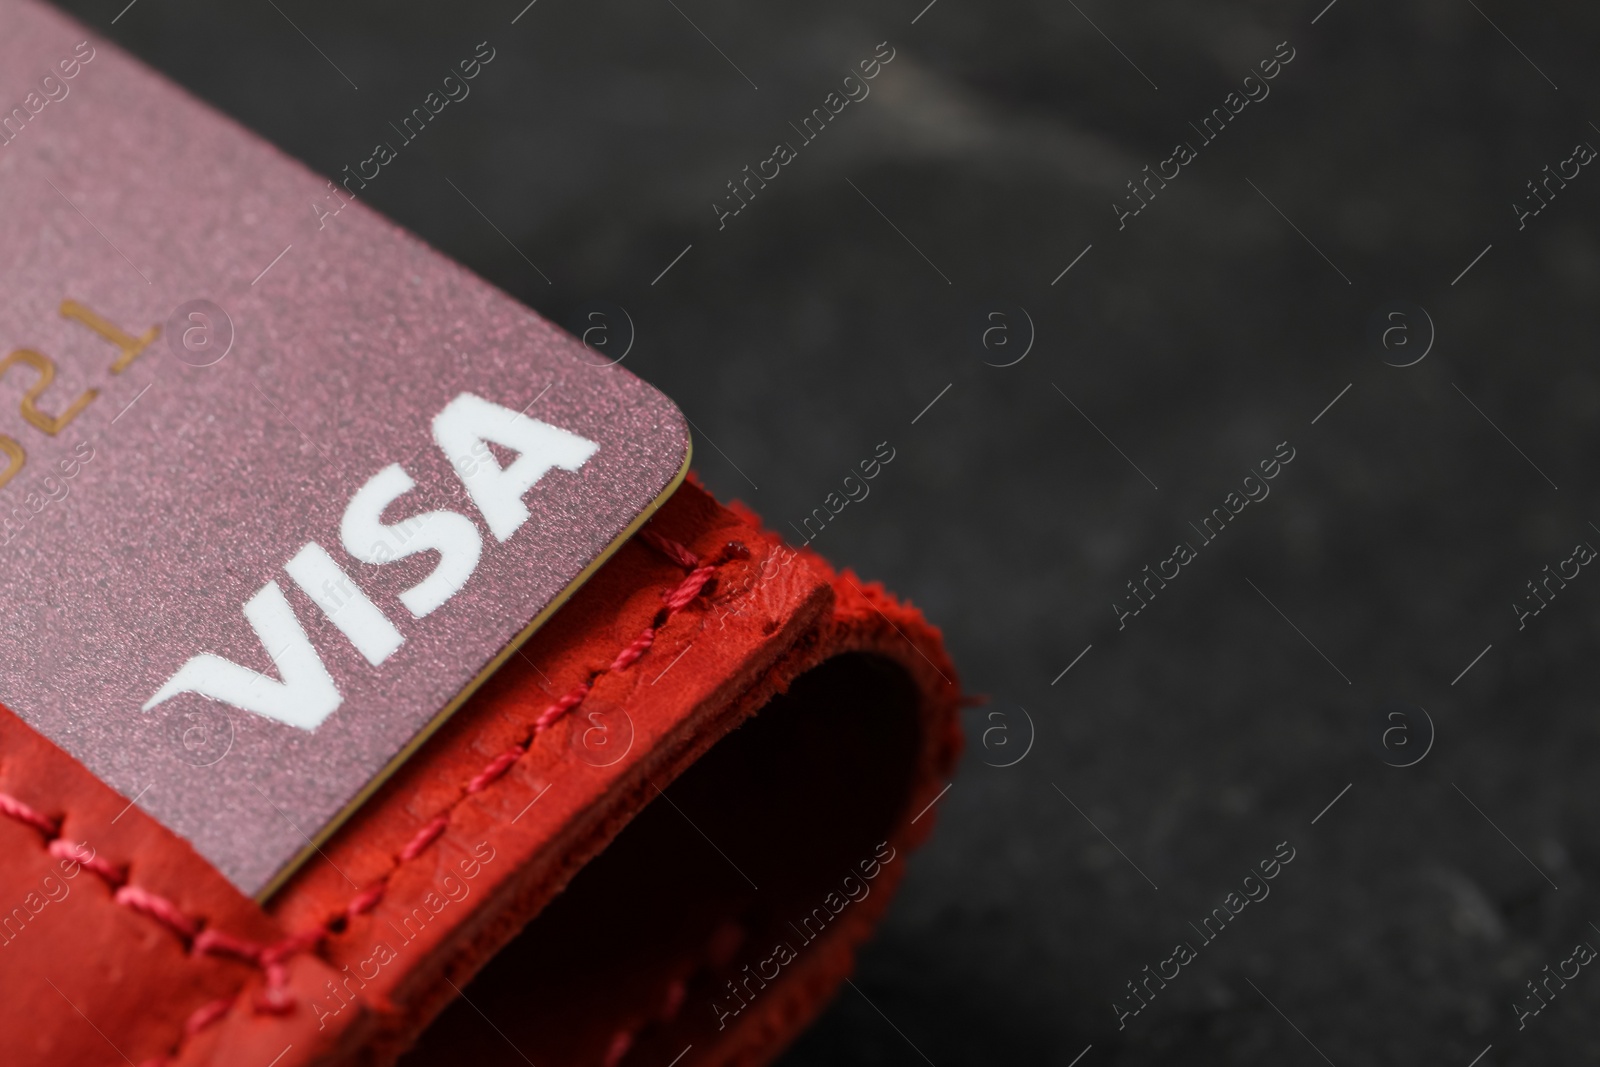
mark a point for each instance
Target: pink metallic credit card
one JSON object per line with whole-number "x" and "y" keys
{"x": 281, "y": 485}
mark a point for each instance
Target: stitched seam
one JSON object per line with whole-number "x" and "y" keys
{"x": 674, "y": 993}
{"x": 674, "y": 601}
{"x": 272, "y": 958}
{"x": 191, "y": 932}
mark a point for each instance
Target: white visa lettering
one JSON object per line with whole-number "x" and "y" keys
{"x": 307, "y": 694}
{"x": 468, "y": 421}
{"x": 343, "y": 602}
{"x": 455, "y": 537}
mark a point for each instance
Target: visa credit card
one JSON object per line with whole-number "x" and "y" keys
{"x": 279, "y": 484}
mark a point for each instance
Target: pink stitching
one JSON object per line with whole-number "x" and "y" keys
{"x": 724, "y": 941}
{"x": 366, "y": 900}
{"x": 677, "y": 992}
{"x": 275, "y": 998}
{"x": 160, "y": 909}
{"x": 271, "y": 959}
{"x": 678, "y": 598}
{"x": 290, "y": 946}
{"x": 10, "y": 805}
{"x": 496, "y": 769}
{"x": 679, "y": 554}
{"x": 638, "y": 647}
{"x": 217, "y": 943}
{"x": 621, "y": 1042}
{"x": 207, "y": 1014}
{"x": 62, "y": 849}
{"x": 425, "y": 837}
{"x": 163, "y": 911}
{"x": 560, "y": 708}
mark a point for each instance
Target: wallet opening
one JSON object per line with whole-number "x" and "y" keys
{"x": 730, "y": 904}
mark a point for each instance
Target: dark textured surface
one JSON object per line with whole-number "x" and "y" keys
{"x": 1197, "y": 339}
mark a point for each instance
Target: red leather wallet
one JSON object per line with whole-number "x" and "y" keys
{"x": 696, "y": 789}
